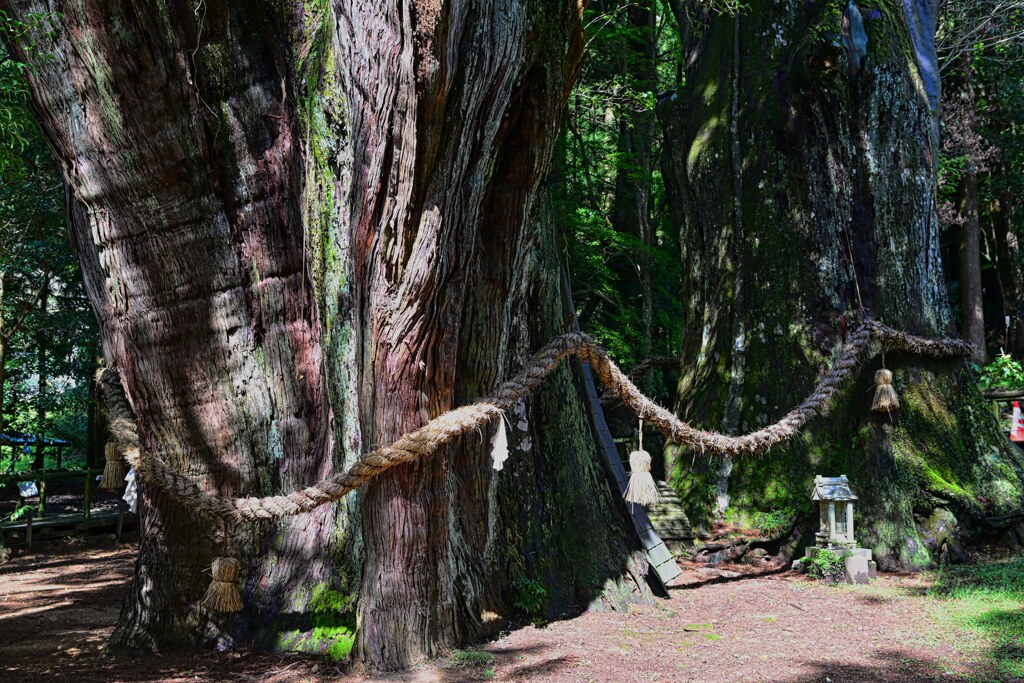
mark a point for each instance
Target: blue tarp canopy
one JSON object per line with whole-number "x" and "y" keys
{"x": 26, "y": 441}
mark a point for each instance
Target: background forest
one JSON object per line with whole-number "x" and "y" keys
{"x": 48, "y": 336}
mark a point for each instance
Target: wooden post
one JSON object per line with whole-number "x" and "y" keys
{"x": 121, "y": 506}
{"x": 42, "y": 496}
{"x": 849, "y": 521}
{"x": 87, "y": 497}
{"x": 28, "y": 529}
{"x": 60, "y": 455}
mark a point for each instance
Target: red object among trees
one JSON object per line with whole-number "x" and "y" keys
{"x": 1017, "y": 428}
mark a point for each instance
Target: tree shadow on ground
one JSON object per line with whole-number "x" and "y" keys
{"x": 782, "y": 569}
{"x": 893, "y": 666}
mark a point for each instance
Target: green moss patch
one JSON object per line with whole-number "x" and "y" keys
{"x": 327, "y": 626}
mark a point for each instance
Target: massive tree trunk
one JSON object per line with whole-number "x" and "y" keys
{"x": 806, "y": 199}
{"x": 306, "y": 229}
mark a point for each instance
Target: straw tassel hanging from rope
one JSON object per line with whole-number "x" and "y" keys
{"x": 223, "y": 594}
{"x": 113, "y": 469}
{"x": 642, "y": 489}
{"x": 886, "y": 399}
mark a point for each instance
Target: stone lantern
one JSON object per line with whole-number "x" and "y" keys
{"x": 835, "y": 529}
{"x": 835, "y": 505}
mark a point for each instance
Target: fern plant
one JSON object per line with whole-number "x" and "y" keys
{"x": 1002, "y": 373}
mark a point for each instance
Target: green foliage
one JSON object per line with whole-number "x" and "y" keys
{"x": 1002, "y": 373}
{"x": 774, "y": 522}
{"x": 46, "y": 323}
{"x": 16, "y": 124}
{"x": 827, "y": 565}
{"x": 985, "y": 600}
{"x": 529, "y": 597}
{"x": 606, "y": 187}
{"x": 20, "y": 511}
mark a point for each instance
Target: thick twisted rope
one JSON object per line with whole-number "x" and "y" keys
{"x": 447, "y": 427}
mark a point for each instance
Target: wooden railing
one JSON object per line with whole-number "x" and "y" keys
{"x": 43, "y": 476}
{"x": 36, "y": 515}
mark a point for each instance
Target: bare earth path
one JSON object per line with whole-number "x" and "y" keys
{"x": 57, "y": 608}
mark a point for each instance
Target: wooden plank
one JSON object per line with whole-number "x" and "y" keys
{"x": 667, "y": 571}
{"x": 1004, "y": 394}
{"x": 606, "y": 444}
{"x": 659, "y": 554}
{"x": 87, "y": 498}
{"x": 28, "y": 530}
{"x": 122, "y": 506}
{"x": 68, "y": 521}
{"x": 47, "y": 475}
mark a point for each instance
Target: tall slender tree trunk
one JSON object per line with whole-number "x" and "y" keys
{"x": 306, "y": 229}
{"x": 971, "y": 303}
{"x": 3, "y": 353}
{"x": 42, "y": 373}
{"x": 830, "y": 217}
{"x": 1011, "y": 273}
{"x": 971, "y": 295}
{"x": 95, "y": 427}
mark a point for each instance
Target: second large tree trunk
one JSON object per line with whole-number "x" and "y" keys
{"x": 307, "y": 229}
{"x": 806, "y": 198}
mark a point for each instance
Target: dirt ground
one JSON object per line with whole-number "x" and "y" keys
{"x": 57, "y": 608}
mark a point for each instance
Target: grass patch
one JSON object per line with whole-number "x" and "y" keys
{"x": 986, "y": 601}
{"x": 466, "y": 659}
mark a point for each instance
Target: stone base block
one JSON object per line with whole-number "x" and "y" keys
{"x": 856, "y": 569}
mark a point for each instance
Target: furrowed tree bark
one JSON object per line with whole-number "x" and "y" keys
{"x": 307, "y": 229}
{"x": 806, "y": 200}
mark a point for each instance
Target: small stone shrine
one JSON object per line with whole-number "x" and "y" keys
{"x": 835, "y": 529}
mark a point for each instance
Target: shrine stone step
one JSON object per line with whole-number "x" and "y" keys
{"x": 669, "y": 520}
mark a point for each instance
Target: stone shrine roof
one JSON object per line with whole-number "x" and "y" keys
{"x": 832, "y": 488}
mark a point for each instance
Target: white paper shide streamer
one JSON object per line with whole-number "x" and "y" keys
{"x": 499, "y": 445}
{"x": 131, "y": 491}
